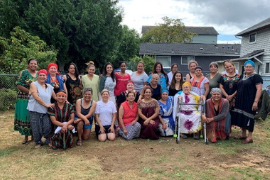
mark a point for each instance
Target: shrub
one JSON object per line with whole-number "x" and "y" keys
{"x": 7, "y": 99}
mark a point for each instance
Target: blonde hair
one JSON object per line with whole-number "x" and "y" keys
{"x": 192, "y": 61}
{"x": 229, "y": 61}
{"x": 104, "y": 90}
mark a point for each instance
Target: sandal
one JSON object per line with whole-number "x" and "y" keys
{"x": 25, "y": 142}
{"x": 79, "y": 142}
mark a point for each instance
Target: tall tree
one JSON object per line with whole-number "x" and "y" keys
{"x": 21, "y": 46}
{"x": 81, "y": 30}
{"x": 129, "y": 44}
{"x": 170, "y": 31}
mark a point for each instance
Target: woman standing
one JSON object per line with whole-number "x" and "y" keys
{"x": 228, "y": 83}
{"x": 123, "y": 96}
{"x": 108, "y": 81}
{"x": 217, "y": 108}
{"x": 91, "y": 80}
{"x": 213, "y": 77}
{"x": 85, "y": 108}
{"x": 73, "y": 84}
{"x": 174, "y": 69}
{"x": 139, "y": 77}
{"x": 167, "y": 126}
{"x": 199, "y": 83}
{"x": 128, "y": 117}
{"x": 121, "y": 79}
{"x": 21, "y": 120}
{"x": 62, "y": 116}
{"x": 191, "y": 66}
{"x": 39, "y": 101}
{"x": 249, "y": 90}
{"x": 148, "y": 111}
{"x": 176, "y": 84}
{"x": 55, "y": 79}
{"x": 163, "y": 78}
{"x": 156, "y": 88}
{"x": 105, "y": 117}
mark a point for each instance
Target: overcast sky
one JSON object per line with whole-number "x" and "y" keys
{"x": 228, "y": 17}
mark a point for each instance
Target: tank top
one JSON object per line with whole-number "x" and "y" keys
{"x": 86, "y": 111}
{"x": 44, "y": 94}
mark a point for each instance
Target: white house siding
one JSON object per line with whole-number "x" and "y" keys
{"x": 262, "y": 42}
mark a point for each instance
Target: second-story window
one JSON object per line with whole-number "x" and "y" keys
{"x": 252, "y": 38}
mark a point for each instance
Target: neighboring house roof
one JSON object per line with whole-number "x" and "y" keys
{"x": 203, "y": 30}
{"x": 260, "y": 25}
{"x": 190, "y": 49}
{"x": 253, "y": 55}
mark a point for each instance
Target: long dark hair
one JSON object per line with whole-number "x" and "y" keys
{"x": 172, "y": 86}
{"x": 105, "y": 70}
{"x": 76, "y": 69}
{"x": 162, "y": 71}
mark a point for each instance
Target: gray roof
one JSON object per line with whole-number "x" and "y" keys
{"x": 203, "y": 30}
{"x": 253, "y": 53}
{"x": 260, "y": 25}
{"x": 190, "y": 49}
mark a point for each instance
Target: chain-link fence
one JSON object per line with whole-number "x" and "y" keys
{"x": 8, "y": 91}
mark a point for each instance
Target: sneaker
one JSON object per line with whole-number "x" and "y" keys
{"x": 196, "y": 136}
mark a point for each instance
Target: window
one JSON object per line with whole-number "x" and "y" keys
{"x": 252, "y": 38}
{"x": 267, "y": 67}
{"x": 165, "y": 61}
{"x": 186, "y": 59}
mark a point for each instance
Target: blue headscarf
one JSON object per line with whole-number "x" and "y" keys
{"x": 250, "y": 62}
{"x": 164, "y": 90}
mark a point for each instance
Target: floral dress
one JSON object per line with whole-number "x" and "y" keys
{"x": 190, "y": 117}
{"x": 166, "y": 113}
{"x": 74, "y": 89}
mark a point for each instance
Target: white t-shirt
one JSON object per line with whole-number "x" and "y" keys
{"x": 139, "y": 81}
{"x": 105, "y": 111}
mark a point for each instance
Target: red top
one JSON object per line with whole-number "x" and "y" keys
{"x": 121, "y": 83}
{"x": 129, "y": 114}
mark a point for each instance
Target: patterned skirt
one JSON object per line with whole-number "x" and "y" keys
{"x": 62, "y": 140}
{"x": 21, "y": 119}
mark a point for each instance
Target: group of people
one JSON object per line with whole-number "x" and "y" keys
{"x": 55, "y": 107}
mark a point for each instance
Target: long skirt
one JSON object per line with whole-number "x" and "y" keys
{"x": 21, "y": 119}
{"x": 62, "y": 140}
{"x": 150, "y": 131}
{"x": 133, "y": 131}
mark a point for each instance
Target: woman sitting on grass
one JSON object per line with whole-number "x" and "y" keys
{"x": 85, "y": 108}
{"x": 105, "y": 117}
{"x": 128, "y": 117}
{"x": 62, "y": 116}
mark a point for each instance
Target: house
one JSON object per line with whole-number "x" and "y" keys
{"x": 206, "y": 35}
{"x": 181, "y": 54}
{"x": 255, "y": 45}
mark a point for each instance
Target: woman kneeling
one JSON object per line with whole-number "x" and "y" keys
{"x": 105, "y": 117}
{"x": 128, "y": 117}
{"x": 218, "y": 126}
{"x": 62, "y": 116}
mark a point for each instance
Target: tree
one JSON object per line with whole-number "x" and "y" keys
{"x": 20, "y": 47}
{"x": 81, "y": 30}
{"x": 170, "y": 31}
{"x": 129, "y": 45}
{"x": 147, "y": 60}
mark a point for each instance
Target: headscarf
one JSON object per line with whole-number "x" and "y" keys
{"x": 250, "y": 62}
{"x": 43, "y": 71}
{"x": 186, "y": 84}
{"x": 52, "y": 64}
{"x": 164, "y": 90}
{"x": 215, "y": 90}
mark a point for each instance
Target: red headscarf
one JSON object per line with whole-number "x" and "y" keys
{"x": 43, "y": 71}
{"x": 52, "y": 64}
